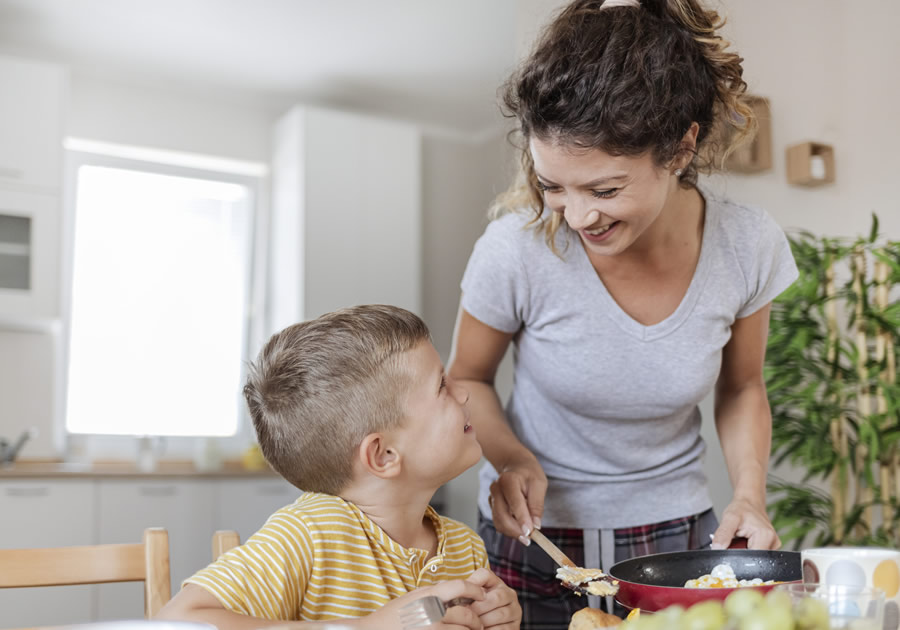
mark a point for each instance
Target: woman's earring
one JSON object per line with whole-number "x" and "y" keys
{"x": 678, "y": 172}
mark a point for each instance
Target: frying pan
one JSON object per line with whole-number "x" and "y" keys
{"x": 655, "y": 581}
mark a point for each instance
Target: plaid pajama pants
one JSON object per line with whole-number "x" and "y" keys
{"x": 546, "y": 604}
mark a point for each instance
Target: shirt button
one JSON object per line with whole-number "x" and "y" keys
{"x": 434, "y": 568}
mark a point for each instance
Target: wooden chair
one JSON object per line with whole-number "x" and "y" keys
{"x": 146, "y": 561}
{"x": 223, "y": 540}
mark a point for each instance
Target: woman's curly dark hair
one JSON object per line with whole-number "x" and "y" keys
{"x": 627, "y": 80}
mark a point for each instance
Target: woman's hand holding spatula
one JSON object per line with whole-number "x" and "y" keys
{"x": 580, "y": 580}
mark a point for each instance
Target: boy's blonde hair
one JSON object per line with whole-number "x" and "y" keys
{"x": 319, "y": 387}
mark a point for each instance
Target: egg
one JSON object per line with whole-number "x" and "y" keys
{"x": 722, "y": 576}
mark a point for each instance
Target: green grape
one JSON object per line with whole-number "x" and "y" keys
{"x": 742, "y": 601}
{"x": 766, "y": 617}
{"x": 811, "y": 614}
{"x": 708, "y": 615}
{"x": 646, "y": 621}
{"x": 778, "y": 599}
{"x": 672, "y": 613}
{"x": 665, "y": 619}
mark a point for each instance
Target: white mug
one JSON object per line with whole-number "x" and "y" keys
{"x": 876, "y": 567}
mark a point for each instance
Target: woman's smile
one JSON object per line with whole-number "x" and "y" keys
{"x": 598, "y": 235}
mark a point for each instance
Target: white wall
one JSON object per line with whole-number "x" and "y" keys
{"x": 218, "y": 124}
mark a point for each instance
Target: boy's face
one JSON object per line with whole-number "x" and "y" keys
{"x": 436, "y": 439}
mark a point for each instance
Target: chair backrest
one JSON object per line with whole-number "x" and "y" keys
{"x": 146, "y": 561}
{"x": 223, "y": 540}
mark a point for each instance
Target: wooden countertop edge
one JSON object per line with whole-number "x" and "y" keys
{"x": 34, "y": 469}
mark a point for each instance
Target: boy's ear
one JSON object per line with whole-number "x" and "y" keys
{"x": 378, "y": 457}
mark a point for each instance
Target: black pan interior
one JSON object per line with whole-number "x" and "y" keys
{"x": 674, "y": 569}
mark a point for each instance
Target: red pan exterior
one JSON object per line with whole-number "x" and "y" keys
{"x": 656, "y": 581}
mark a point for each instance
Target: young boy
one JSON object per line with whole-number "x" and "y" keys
{"x": 355, "y": 409}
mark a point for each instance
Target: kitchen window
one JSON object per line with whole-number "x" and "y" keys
{"x": 162, "y": 290}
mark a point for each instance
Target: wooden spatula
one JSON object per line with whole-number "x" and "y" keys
{"x": 585, "y": 581}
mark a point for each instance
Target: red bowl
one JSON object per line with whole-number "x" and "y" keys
{"x": 656, "y": 581}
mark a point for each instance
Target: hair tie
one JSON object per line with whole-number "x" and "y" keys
{"x": 620, "y": 3}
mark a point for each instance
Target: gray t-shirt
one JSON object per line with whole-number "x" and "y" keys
{"x": 608, "y": 405}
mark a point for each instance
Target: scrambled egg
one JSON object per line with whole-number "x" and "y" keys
{"x": 722, "y": 576}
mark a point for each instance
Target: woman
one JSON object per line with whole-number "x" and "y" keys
{"x": 629, "y": 293}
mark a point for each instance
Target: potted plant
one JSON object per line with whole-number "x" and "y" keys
{"x": 831, "y": 374}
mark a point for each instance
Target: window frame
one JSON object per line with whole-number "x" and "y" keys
{"x": 255, "y": 178}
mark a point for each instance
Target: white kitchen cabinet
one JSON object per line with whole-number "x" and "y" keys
{"x": 346, "y": 214}
{"x": 244, "y": 504}
{"x": 51, "y": 513}
{"x": 29, "y": 256}
{"x": 32, "y": 106}
{"x": 44, "y": 513}
{"x": 127, "y": 507}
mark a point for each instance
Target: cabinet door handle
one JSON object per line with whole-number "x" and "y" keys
{"x": 157, "y": 491}
{"x": 40, "y": 491}
{"x": 11, "y": 173}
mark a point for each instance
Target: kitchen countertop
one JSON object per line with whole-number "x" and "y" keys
{"x": 24, "y": 469}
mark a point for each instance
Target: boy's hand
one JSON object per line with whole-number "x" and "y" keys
{"x": 500, "y": 609}
{"x": 456, "y": 617}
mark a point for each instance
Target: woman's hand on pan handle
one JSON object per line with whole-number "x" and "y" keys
{"x": 743, "y": 519}
{"x": 517, "y": 497}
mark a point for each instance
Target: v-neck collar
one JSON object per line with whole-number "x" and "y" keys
{"x": 675, "y": 319}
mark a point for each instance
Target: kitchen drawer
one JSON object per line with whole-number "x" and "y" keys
{"x": 127, "y": 507}
{"x": 40, "y": 513}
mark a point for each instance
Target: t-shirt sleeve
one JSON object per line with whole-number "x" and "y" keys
{"x": 772, "y": 270}
{"x": 479, "y": 552}
{"x": 494, "y": 284}
{"x": 266, "y": 576}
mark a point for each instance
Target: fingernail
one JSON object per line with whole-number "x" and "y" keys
{"x": 526, "y": 530}
{"x": 537, "y": 522}
{"x": 525, "y": 540}
{"x": 716, "y": 545}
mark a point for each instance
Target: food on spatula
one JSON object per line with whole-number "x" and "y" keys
{"x": 593, "y": 618}
{"x": 722, "y": 576}
{"x": 594, "y": 581}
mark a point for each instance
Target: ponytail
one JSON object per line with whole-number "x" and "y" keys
{"x": 736, "y": 122}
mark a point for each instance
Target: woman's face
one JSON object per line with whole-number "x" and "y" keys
{"x": 611, "y": 201}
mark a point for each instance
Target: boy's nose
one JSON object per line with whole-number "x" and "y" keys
{"x": 460, "y": 393}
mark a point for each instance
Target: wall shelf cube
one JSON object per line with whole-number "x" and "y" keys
{"x": 810, "y": 164}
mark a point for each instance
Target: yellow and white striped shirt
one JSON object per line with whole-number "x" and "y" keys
{"x": 322, "y": 558}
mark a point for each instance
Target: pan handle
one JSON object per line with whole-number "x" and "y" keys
{"x": 738, "y": 543}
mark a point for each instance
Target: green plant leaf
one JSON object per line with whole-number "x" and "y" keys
{"x": 873, "y": 234}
